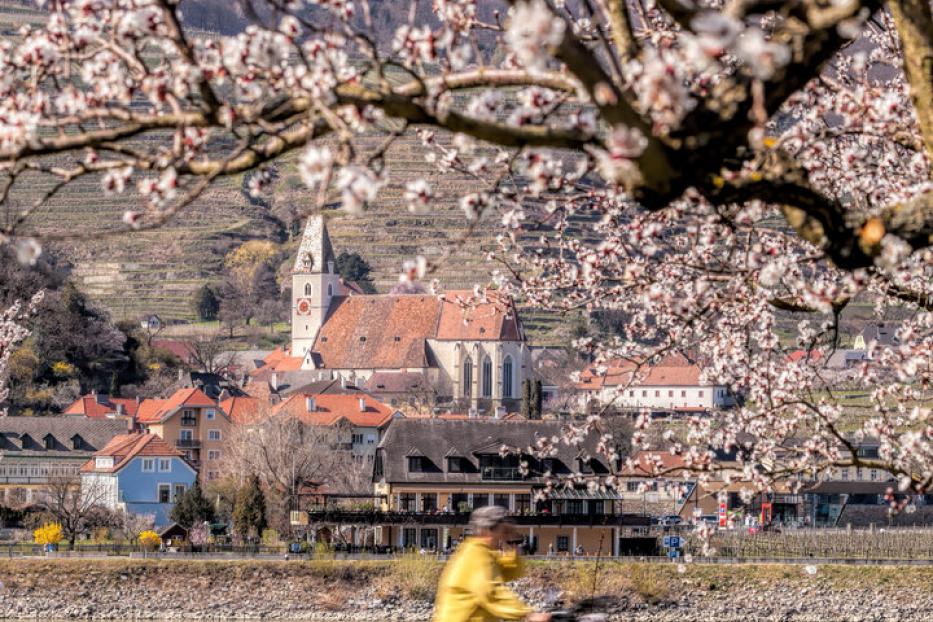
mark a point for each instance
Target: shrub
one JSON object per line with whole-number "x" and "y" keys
{"x": 149, "y": 540}
{"x": 270, "y": 537}
{"x": 649, "y": 582}
{"x": 49, "y": 533}
{"x": 414, "y": 575}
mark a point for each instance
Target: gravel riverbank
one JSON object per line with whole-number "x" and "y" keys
{"x": 39, "y": 589}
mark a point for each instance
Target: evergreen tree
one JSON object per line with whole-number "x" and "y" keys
{"x": 526, "y": 398}
{"x": 192, "y": 508}
{"x": 537, "y": 400}
{"x": 249, "y": 510}
{"x": 205, "y": 303}
{"x": 352, "y": 267}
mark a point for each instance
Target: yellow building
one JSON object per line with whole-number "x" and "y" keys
{"x": 191, "y": 422}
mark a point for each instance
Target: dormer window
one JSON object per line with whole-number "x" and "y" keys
{"x": 49, "y": 441}
{"x": 77, "y": 442}
{"x": 362, "y": 339}
{"x": 418, "y": 464}
{"x": 456, "y": 464}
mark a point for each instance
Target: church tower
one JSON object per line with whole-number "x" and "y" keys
{"x": 314, "y": 283}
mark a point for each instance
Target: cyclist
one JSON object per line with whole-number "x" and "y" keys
{"x": 472, "y": 586}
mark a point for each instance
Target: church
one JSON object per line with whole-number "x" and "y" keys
{"x": 473, "y": 357}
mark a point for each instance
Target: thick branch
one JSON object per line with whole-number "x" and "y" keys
{"x": 914, "y": 22}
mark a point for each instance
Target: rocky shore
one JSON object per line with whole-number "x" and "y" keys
{"x": 222, "y": 590}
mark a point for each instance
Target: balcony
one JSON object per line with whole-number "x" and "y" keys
{"x": 188, "y": 443}
{"x": 189, "y": 421}
{"x": 502, "y": 473}
{"x": 463, "y": 518}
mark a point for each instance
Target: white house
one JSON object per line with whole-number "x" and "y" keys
{"x": 672, "y": 385}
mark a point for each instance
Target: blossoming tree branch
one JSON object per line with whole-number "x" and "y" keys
{"x": 741, "y": 162}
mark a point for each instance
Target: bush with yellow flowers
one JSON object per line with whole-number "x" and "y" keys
{"x": 149, "y": 540}
{"x": 49, "y": 533}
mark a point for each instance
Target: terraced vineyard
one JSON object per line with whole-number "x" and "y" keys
{"x": 157, "y": 271}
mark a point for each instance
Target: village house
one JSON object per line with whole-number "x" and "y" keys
{"x": 103, "y": 406}
{"x": 191, "y": 422}
{"x": 656, "y": 482}
{"x": 37, "y": 451}
{"x": 476, "y": 354}
{"x": 430, "y": 473}
{"x": 359, "y": 418}
{"x": 672, "y": 385}
{"x": 138, "y": 473}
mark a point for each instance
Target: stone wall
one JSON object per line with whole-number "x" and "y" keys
{"x": 328, "y": 590}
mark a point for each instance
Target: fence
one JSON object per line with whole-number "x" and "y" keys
{"x": 865, "y": 544}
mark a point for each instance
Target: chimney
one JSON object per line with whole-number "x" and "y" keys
{"x": 343, "y": 382}
{"x": 362, "y": 404}
{"x": 274, "y": 381}
{"x": 120, "y": 410}
{"x": 309, "y": 404}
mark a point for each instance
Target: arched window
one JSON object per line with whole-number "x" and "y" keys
{"x": 467, "y": 377}
{"x": 308, "y": 289}
{"x": 507, "y": 377}
{"x": 487, "y": 377}
{"x": 330, "y": 289}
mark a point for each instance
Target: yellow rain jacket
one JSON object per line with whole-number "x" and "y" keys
{"x": 472, "y": 586}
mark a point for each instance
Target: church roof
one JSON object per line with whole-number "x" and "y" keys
{"x": 315, "y": 249}
{"x": 391, "y": 331}
{"x": 378, "y": 332}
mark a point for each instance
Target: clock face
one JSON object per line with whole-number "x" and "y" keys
{"x": 304, "y": 306}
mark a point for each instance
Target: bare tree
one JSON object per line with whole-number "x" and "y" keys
{"x": 292, "y": 460}
{"x": 210, "y": 353}
{"x": 76, "y": 507}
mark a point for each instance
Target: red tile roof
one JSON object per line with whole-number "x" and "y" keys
{"x": 275, "y": 361}
{"x": 192, "y": 398}
{"x": 797, "y": 355}
{"x": 391, "y": 331}
{"x": 99, "y": 406}
{"x": 378, "y": 331}
{"x": 124, "y": 447}
{"x": 651, "y": 462}
{"x": 179, "y": 349}
{"x": 465, "y": 319}
{"x": 332, "y": 407}
{"x": 675, "y": 370}
{"x": 243, "y": 409}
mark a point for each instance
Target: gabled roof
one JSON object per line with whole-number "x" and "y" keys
{"x": 650, "y": 462}
{"x": 100, "y": 406}
{"x": 125, "y": 447}
{"x": 463, "y": 318}
{"x": 331, "y": 408}
{"x": 158, "y": 410}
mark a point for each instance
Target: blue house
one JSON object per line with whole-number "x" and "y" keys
{"x": 138, "y": 474}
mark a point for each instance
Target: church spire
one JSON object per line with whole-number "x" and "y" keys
{"x": 315, "y": 254}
